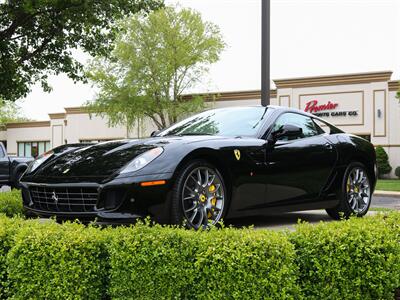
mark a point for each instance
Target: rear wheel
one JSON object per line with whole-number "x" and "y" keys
{"x": 355, "y": 195}
{"x": 199, "y": 196}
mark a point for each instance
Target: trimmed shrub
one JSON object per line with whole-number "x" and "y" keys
{"x": 170, "y": 263}
{"x": 245, "y": 264}
{"x": 52, "y": 261}
{"x": 353, "y": 259}
{"x": 11, "y": 203}
{"x": 151, "y": 263}
{"x": 392, "y": 220}
{"x": 397, "y": 172}
{"x": 382, "y": 161}
{"x": 8, "y": 229}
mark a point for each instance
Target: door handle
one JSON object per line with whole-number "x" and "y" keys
{"x": 328, "y": 146}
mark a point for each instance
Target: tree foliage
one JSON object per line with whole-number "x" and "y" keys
{"x": 397, "y": 172}
{"x": 36, "y": 38}
{"x": 382, "y": 160}
{"x": 10, "y": 112}
{"x": 155, "y": 60}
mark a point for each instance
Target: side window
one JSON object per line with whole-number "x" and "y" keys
{"x": 322, "y": 126}
{"x": 305, "y": 123}
{"x": 2, "y": 154}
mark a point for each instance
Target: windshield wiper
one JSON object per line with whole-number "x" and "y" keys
{"x": 194, "y": 133}
{"x": 262, "y": 117}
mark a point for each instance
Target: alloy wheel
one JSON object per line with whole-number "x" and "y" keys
{"x": 358, "y": 190}
{"x": 203, "y": 197}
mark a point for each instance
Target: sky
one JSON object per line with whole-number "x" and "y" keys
{"x": 308, "y": 38}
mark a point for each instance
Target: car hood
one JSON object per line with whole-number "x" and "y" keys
{"x": 105, "y": 159}
{"x": 19, "y": 159}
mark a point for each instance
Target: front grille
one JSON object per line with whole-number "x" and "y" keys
{"x": 64, "y": 199}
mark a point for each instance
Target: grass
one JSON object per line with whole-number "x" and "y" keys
{"x": 388, "y": 185}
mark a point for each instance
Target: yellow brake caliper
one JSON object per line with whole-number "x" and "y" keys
{"x": 211, "y": 189}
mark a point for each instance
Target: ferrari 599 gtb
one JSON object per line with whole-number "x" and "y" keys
{"x": 221, "y": 163}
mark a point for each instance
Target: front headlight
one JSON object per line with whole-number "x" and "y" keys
{"x": 38, "y": 161}
{"x": 142, "y": 160}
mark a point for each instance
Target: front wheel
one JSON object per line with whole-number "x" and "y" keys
{"x": 199, "y": 196}
{"x": 355, "y": 195}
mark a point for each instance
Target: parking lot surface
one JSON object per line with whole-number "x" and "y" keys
{"x": 289, "y": 220}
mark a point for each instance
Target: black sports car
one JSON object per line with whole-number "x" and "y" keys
{"x": 222, "y": 163}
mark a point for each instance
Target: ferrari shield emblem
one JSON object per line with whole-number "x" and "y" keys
{"x": 237, "y": 154}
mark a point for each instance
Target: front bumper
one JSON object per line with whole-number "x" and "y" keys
{"x": 121, "y": 200}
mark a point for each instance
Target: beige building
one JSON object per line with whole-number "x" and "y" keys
{"x": 364, "y": 104}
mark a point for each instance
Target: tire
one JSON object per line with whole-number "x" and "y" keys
{"x": 355, "y": 194}
{"x": 197, "y": 205}
{"x": 15, "y": 184}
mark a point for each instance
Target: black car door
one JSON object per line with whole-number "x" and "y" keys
{"x": 4, "y": 166}
{"x": 298, "y": 169}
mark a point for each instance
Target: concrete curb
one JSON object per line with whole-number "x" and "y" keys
{"x": 387, "y": 194}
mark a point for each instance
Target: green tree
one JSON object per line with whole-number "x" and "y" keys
{"x": 157, "y": 57}
{"x": 382, "y": 160}
{"x": 37, "y": 36}
{"x": 10, "y": 112}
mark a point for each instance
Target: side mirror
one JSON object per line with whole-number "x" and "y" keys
{"x": 289, "y": 131}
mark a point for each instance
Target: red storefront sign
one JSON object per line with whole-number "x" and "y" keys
{"x": 313, "y": 106}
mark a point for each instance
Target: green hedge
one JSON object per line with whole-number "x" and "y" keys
{"x": 52, "y": 261}
{"x": 11, "y": 203}
{"x": 8, "y": 229}
{"x": 11, "y": 206}
{"x": 353, "y": 259}
{"x": 169, "y": 263}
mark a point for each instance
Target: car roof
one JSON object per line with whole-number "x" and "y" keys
{"x": 282, "y": 109}
{"x": 291, "y": 109}
{"x": 275, "y": 107}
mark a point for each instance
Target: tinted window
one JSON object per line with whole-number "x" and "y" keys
{"x": 304, "y": 122}
{"x": 233, "y": 121}
{"x": 327, "y": 127}
{"x": 321, "y": 126}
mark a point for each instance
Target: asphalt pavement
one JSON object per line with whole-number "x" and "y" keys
{"x": 386, "y": 202}
{"x": 289, "y": 220}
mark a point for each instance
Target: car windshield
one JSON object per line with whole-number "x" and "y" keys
{"x": 233, "y": 121}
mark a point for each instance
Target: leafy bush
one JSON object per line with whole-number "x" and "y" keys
{"x": 52, "y": 261}
{"x": 170, "y": 263}
{"x": 245, "y": 264}
{"x": 354, "y": 259}
{"x": 397, "y": 172}
{"x": 11, "y": 203}
{"x": 382, "y": 161}
{"x": 8, "y": 228}
{"x": 150, "y": 263}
